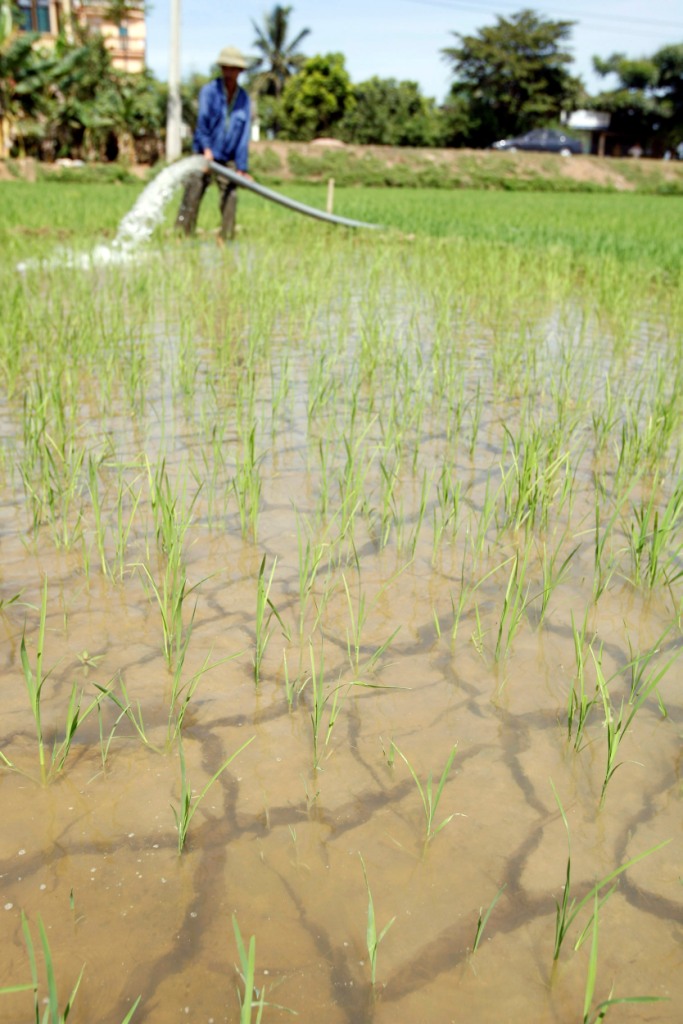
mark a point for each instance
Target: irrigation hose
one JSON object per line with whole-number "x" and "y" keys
{"x": 291, "y": 204}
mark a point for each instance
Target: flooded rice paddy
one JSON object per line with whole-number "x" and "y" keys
{"x": 398, "y": 525}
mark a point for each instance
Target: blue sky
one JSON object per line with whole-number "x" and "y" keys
{"x": 403, "y": 38}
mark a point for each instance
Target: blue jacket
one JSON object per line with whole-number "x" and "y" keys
{"x": 227, "y": 140}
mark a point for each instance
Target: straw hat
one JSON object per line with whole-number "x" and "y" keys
{"x": 231, "y": 57}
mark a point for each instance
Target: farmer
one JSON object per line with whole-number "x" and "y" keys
{"x": 221, "y": 135}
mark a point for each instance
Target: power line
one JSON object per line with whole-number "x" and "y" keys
{"x": 456, "y": 5}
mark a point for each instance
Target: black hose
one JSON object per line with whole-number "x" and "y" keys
{"x": 291, "y": 204}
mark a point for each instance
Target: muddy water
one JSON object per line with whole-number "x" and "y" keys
{"x": 276, "y": 840}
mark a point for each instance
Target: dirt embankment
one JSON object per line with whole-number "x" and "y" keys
{"x": 462, "y": 167}
{"x": 393, "y": 166}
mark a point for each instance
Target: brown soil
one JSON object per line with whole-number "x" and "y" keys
{"x": 618, "y": 173}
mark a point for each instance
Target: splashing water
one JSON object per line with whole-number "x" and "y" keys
{"x": 137, "y": 225}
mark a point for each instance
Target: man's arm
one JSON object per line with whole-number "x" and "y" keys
{"x": 205, "y": 121}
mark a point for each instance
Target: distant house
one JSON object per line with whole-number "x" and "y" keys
{"x": 595, "y": 125}
{"x": 125, "y": 38}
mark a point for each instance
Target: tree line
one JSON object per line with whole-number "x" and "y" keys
{"x": 507, "y": 78}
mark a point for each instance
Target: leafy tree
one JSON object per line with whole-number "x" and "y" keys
{"x": 391, "y": 113}
{"x": 316, "y": 99}
{"x": 646, "y": 107}
{"x": 279, "y": 59}
{"x": 69, "y": 101}
{"x": 512, "y": 76}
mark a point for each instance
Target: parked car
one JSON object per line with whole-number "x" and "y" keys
{"x": 542, "y": 140}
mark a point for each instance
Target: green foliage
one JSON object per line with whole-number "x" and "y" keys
{"x": 647, "y": 103}
{"x": 392, "y": 113}
{"x": 512, "y": 76}
{"x": 316, "y": 99}
{"x": 278, "y": 58}
{"x": 69, "y": 101}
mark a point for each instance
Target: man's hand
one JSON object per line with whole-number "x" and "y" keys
{"x": 245, "y": 174}
{"x": 208, "y": 156}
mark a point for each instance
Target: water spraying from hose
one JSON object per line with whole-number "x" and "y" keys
{"x": 139, "y": 223}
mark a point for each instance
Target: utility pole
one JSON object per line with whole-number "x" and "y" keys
{"x": 173, "y": 113}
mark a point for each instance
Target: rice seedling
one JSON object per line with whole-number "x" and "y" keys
{"x": 247, "y": 485}
{"x": 125, "y": 706}
{"x": 52, "y": 1014}
{"x": 262, "y": 629}
{"x": 579, "y": 704}
{"x": 182, "y": 691}
{"x": 514, "y": 605}
{"x": 310, "y": 557}
{"x": 329, "y": 703}
{"x": 483, "y": 918}
{"x": 654, "y": 537}
{"x": 567, "y": 910}
{"x": 430, "y": 798}
{"x": 372, "y": 937}
{"x": 35, "y": 678}
{"x": 617, "y": 723}
{"x": 639, "y": 663}
{"x": 358, "y": 618}
{"x": 593, "y": 1014}
{"x": 189, "y": 803}
{"x": 553, "y": 576}
{"x": 252, "y": 1000}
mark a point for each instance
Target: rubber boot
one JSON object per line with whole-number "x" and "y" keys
{"x": 186, "y": 221}
{"x": 229, "y": 213}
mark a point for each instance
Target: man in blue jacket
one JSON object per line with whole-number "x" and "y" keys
{"x": 222, "y": 135}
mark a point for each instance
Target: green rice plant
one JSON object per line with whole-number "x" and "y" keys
{"x": 483, "y": 918}
{"x": 475, "y": 406}
{"x": 52, "y": 1014}
{"x": 639, "y": 663}
{"x": 617, "y": 723}
{"x": 310, "y": 556}
{"x": 529, "y": 486}
{"x": 655, "y": 537}
{"x": 169, "y": 593}
{"x": 247, "y": 484}
{"x": 358, "y": 618}
{"x": 106, "y": 741}
{"x": 514, "y": 605}
{"x": 125, "y": 706}
{"x": 329, "y": 703}
{"x": 447, "y": 511}
{"x": 579, "y": 704}
{"x": 603, "y": 572}
{"x": 189, "y": 804}
{"x": 430, "y": 798}
{"x": 389, "y": 477}
{"x": 127, "y": 502}
{"x": 421, "y": 509}
{"x": 567, "y": 910}
{"x": 35, "y": 678}
{"x": 351, "y": 479}
{"x": 553, "y": 576}
{"x": 265, "y": 610}
{"x": 182, "y": 691}
{"x": 592, "y": 1015}
{"x": 484, "y": 518}
{"x": 96, "y": 505}
{"x": 372, "y": 938}
{"x": 252, "y": 998}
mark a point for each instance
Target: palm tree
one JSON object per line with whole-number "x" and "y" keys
{"x": 278, "y": 58}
